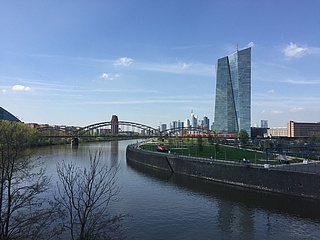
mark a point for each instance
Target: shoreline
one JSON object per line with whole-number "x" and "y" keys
{"x": 254, "y": 176}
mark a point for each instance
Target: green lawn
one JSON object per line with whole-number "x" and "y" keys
{"x": 224, "y": 152}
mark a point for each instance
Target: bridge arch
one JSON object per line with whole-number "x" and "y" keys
{"x": 54, "y": 131}
{"x": 87, "y": 129}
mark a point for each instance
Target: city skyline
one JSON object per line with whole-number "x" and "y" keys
{"x": 78, "y": 62}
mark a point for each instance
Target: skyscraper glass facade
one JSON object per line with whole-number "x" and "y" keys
{"x": 233, "y": 93}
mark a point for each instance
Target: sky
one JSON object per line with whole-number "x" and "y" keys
{"x": 78, "y": 62}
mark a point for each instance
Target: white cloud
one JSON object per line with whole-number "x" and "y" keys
{"x": 4, "y": 90}
{"x": 20, "y": 88}
{"x": 184, "y": 65}
{"x": 302, "y": 81}
{"x": 108, "y": 76}
{"x": 271, "y": 91}
{"x": 177, "y": 68}
{"x": 296, "y": 109}
{"x": 276, "y": 112}
{"x": 272, "y": 112}
{"x": 293, "y": 51}
{"x": 124, "y": 61}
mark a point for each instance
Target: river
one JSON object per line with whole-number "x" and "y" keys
{"x": 162, "y": 205}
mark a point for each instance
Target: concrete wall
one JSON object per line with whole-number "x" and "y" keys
{"x": 292, "y": 183}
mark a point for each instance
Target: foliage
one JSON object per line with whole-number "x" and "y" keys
{"x": 200, "y": 146}
{"x": 22, "y": 181}
{"x": 243, "y": 137}
{"x": 84, "y": 196}
{"x": 217, "y": 148}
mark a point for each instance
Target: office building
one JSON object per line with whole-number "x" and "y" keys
{"x": 205, "y": 123}
{"x": 258, "y": 132}
{"x": 114, "y": 124}
{"x": 299, "y": 129}
{"x": 277, "y": 132}
{"x": 187, "y": 123}
{"x": 193, "y": 120}
{"x": 163, "y": 127}
{"x": 233, "y": 93}
{"x": 264, "y": 123}
{"x": 177, "y": 126}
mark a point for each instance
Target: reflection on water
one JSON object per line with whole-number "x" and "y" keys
{"x": 114, "y": 150}
{"x": 244, "y": 213}
{"x": 295, "y": 206}
{"x": 170, "y": 206}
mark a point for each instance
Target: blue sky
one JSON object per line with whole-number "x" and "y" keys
{"x": 78, "y": 62}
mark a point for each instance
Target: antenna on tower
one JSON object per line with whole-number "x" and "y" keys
{"x": 237, "y": 47}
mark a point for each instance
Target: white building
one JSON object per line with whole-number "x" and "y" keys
{"x": 277, "y": 132}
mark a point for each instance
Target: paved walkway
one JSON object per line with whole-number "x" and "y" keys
{"x": 313, "y": 167}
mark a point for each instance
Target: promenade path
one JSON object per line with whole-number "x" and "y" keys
{"x": 311, "y": 167}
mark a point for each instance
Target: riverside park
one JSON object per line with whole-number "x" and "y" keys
{"x": 204, "y": 148}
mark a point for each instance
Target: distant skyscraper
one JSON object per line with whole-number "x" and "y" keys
{"x": 233, "y": 93}
{"x": 264, "y": 123}
{"x": 187, "y": 123}
{"x": 193, "y": 120}
{"x": 175, "y": 126}
{"x": 114, "y": 124}
{"x": 180, "y": 125}
{"x": 163, "y": 127}
{"x": 205, "y": 123}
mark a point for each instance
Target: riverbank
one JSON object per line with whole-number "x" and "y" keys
{"x": 302, "y": 184}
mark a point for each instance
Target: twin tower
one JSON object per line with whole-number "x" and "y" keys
{"x": 233, "y": 93}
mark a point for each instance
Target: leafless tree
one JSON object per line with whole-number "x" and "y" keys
{"x": 22, "y": 183}
{"x": 84, "y": 195}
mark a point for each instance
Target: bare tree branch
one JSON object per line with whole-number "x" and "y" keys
{"x": 22, "y": 215}
{"x": 84, "y": 196}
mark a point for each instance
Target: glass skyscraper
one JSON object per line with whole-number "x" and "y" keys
{"x": 233, "y": 93}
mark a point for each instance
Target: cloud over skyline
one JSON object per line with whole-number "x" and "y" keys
{"x": 292, "y": 50}
{"x": 20, "y": 88}
{"x": 109, "y": 76}
{"x": 123, "y": 61}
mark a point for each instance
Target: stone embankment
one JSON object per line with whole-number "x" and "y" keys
{"x": 240, "y": 174}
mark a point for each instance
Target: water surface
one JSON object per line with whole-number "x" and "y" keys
{"x": 162, "y": 205}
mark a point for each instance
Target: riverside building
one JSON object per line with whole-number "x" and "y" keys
{"x": 233, "y": 93}
{"x": 303, "y": 129}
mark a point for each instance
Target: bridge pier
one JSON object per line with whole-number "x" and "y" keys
{"x": 75, "y": 141}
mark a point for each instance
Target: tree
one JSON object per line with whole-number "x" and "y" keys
{"x": 217, "y": 147}
{"x": 22, "y": 181}
{"x": 84, "y": 195}
{"x": 243, "y": 137}
{"x": 200, "y": 146}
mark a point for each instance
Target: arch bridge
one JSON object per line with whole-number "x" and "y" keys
{"x": 98, "y": 129}
{"x": 123, "y": 128}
